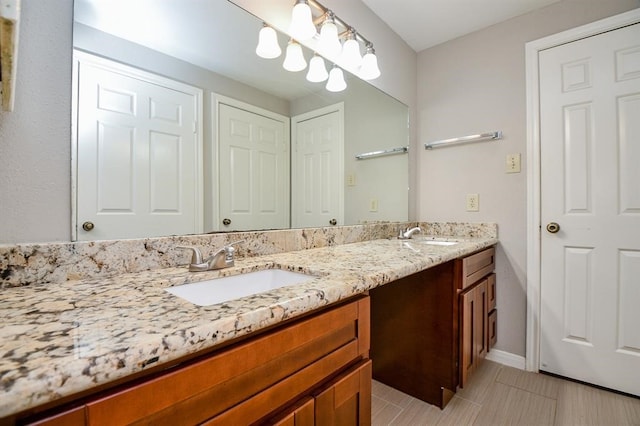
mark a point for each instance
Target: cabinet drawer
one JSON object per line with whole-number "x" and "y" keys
{"x": 492, "y": 330}
{"x": 476, "y": 266}
{"x": 203, "y": 389}
{"x": 491, "y": 290}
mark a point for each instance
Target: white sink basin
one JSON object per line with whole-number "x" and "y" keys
{"x": 439, "y": 243}
{"x": 218, "y": 290}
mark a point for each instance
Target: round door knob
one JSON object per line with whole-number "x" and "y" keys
{"x": 553, "y": 227}
{"x": 333, "y": 222}
{"x": 88, "y": 226}
{"x": 226, "y": 222}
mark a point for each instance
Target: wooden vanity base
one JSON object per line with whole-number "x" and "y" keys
{"x": 414, "y": 339}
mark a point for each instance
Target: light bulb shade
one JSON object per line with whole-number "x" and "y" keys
{"x": 369, "y": 69}
{"x": 302, "y": 27}
{"x": 268, "y": 47}
{"x": 294, "y": 59}
{"x": 317, "y": 70}
{"x": 329, "y": 42}
{"x": 351, "y": 57}
{"x": 336, "y": 81}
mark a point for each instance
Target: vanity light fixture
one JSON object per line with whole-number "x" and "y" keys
{"x": 268, "y": 46}
{"x": 302, "y": 27}
{"x": 294, "y": 58}
{"x": 336, "y": 81}
{"x": 369, "y": 69}
{"x": 351, "y": 57}
{"x": 329, "y": 40}
{"x": 317, "y": 70}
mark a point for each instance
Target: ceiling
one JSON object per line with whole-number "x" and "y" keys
{"x": 426, "y": 23}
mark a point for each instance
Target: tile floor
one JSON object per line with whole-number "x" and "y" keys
{"x": 501, "y": 395}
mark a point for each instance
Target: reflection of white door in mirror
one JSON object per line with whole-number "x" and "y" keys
{"x": 139, "y": 153}
{"x": 253, "y": 167}
{"x": 318, "y": 164}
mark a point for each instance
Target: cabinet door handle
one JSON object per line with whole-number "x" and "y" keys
{"x": 226, "y": 222}
{"x": 333, "y": 222}
{"x": 88, "y": 226}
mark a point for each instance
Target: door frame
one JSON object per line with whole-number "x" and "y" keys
{"x": 212, "y": 208}
{"x": 534, "y": 225}
{"x": 86, "y": 57}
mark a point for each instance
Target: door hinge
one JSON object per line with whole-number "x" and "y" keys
{"x": 195, "y": 127}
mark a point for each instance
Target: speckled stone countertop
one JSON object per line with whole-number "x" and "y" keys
{"x": 58, "y": 340}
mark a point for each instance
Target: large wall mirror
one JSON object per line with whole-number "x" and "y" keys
{"x": 176, "y": 74}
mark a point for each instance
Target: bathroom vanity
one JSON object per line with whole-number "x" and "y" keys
{"x": 315, "y": 370}
{"x": 430, "y": 329}
{"x": 123, "y": 346}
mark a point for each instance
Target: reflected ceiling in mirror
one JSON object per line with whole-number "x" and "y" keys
{"x": 211, "y": 45}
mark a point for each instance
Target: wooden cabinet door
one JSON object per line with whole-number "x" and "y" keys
{"x": 473, "y": 330}
{"x": 480, "y": 321}
{"x": 491, "y": 290}
{"x": 492, "y": 333}
{"x": 467, "y": 354}
{"x": 346, "y": 401}
{"x": 302, "y": 414}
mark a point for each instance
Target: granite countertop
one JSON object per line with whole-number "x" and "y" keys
{"x": 58, "y": 340}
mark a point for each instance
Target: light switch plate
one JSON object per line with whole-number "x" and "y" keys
{"x": 351, "y": 179}
{"x": 373, "y": 205}
{"x": 512, "y": 164}
{"x": 473, "y": 202}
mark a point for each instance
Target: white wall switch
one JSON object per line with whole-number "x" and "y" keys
{"x": 473, "y": 202}
{"x": 513, "y": 163}
{"x": 373, "y": 205}
{"x": 351, "y": 179}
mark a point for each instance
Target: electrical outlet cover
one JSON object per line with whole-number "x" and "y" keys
{"x": 473, "y": 202}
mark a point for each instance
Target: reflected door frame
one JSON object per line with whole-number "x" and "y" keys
{"x": 534, "y": 224}
{"x": 317, "y": 168}
{"x": 212, "y": 210}
{"x": 194, "y": 129}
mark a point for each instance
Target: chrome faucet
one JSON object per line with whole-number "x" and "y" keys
{"x": 223, "y": 258}
{"x": 405, "y": 235}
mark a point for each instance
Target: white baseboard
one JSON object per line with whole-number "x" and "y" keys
{"x": 506, "y": 358}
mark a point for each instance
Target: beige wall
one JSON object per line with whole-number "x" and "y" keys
{"x": 474, "y": 84}
{"x": 35, "y": 139}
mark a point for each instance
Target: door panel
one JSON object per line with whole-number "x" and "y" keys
{"x": 254, "y": 169}
{"x": 139, "y": 153}
{"x": 318, "y": 183}
{"x": 590, "y": 185}
{"x": 629, "y": 158}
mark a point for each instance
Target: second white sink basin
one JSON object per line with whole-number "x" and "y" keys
{"x": 218, "y": 290}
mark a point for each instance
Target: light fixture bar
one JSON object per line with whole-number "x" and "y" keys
{"x": 337, "y": 20}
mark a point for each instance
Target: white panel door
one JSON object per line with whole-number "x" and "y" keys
{"x": 139, "y": 153}
{"x": 318, "y": 178}
{"x": 254, "y": 170}
{"x": 590, "y": 160}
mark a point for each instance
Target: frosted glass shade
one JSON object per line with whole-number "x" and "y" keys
{"x": 294, "y": 59}
{"x": 351, "y": 57}
{"x": 317, "y": 70}
{"x": 268, "y": 47}
{"x": 302, "y": 27}
{"x": 336, "y": 81}
{"x": 369, "y": 69}
{"x": 329, "y": 42}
